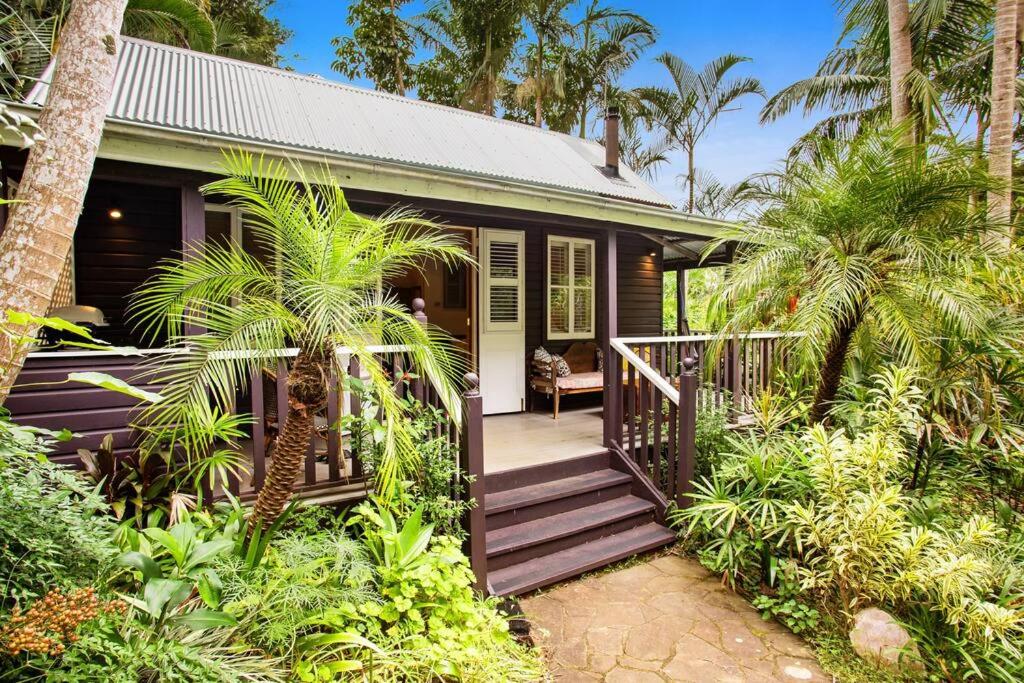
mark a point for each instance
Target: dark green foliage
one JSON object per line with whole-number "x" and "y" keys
{"x": 245, "y": 31}
{"x": 380, "y": 47}
{"x": 51, "y": 533}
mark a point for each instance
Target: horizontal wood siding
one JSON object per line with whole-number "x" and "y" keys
{"x": 90, "y": 412}
{"x": 640, "y": 286}
{"x": 114, "y": 257}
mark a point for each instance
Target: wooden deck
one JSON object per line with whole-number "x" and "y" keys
{"x": 525, "y": 439}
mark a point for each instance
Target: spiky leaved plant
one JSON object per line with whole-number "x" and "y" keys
{"x": 317, "y": 289}
{"x": 874, "y": 237}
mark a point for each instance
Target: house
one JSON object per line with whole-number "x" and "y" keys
{"x": 571, "y": 244}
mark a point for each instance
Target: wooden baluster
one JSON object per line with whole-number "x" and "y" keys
{"x": 733, "y": 372}
{"x": 310, "y": 469}
{"x": 630, "y": 409}
{"x": 613, "y": 370}
{"x": 672, "y": 465}
{"x": 234, "y": 479}
{"x": 259, "y": 436}
{"x": 357, "y": 410}
{"x": 471, "y": 462}
{"x": 281, "y": 386}
{"x": 656, "y": 406}
{"x": 645, "y": 400}
{"x": 333, "y": 429}
{"x": 687, "y": 426}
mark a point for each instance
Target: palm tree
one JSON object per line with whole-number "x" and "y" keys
{"x": 900, "y": 59}
{"x": 610, "y": 41}
{"x": 715, "y": 199}
{"x": 1004, "y": 82}
{"x": 550, "y": 26}
{"x": 473, "y": 41}
{"x": 319, "y": 290}
{"x": 688, "y": 110}
{"x": 877, "y": 242}
{"x": 37, "y": 238}
{"x": 854, "y": 81}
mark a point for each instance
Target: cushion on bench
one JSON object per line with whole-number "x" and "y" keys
{"x": 581, "y": 380}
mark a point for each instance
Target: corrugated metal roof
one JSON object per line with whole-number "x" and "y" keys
{"x": 189, "y": 91}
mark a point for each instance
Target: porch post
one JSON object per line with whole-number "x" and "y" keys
{"x": 193, "y": 230}
{"x": 471, "y": 463}
{"x": 682, "y": 324}
{"x": 609, "y": 329}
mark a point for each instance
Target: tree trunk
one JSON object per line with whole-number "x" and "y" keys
{"x": 399, "y": 75}
{"x": 979, "y": 157}
{"x": 690, "y": 178}
{"x": 307, "y": 394}
{"x": 1004, "y": 77}
{"x": 900, "y": 61}
{"x": 832, "y": 368}
{"x": 538, "y": 114}
{"x": 38, "y": 236}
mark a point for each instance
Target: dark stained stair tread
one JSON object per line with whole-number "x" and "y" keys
{"x": 518, "y": 536}
{"x": 574, "y": 561}
{"x": 553, "y": 490}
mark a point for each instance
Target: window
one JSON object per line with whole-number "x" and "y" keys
{"x": 570, "y": 288}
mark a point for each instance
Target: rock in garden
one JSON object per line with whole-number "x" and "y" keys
{"x": 881, "y": 640}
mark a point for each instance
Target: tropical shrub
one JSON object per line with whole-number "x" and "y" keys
{"x": 426, "y": 623}
{"x": 818, "y": 523}
{"x": 52, "y": 534}
{"x": 436, "y": 484}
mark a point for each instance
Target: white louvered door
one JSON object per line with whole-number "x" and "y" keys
{"x": 502, "y": 328}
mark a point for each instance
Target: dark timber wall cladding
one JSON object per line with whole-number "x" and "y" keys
{"x": 113, "y": 257}
{"x": 640, "y": 286}
{"x": 90, "y": 412}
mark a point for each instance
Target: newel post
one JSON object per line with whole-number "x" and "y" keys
{"x": 471, "y": 463}
{"x": 418, "y": 384}
{"x": 687, "y": 427}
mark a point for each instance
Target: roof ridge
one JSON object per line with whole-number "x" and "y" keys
{"x": 322, "y": 80}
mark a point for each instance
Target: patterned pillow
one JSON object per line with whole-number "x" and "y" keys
{"x": 542, "y": 356}
{"x": 561, "y": 367}
{"x": 600, "y": 361}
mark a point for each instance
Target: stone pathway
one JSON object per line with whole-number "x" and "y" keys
{"x": 665, "y": 620}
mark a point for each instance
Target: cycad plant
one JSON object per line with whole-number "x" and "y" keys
{"x": 874, "y": 239}
{"x": 318, "y": 290}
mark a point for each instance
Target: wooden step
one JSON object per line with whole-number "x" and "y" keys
{"x": 538, "y": 474}
{"x": 528, "y": 540}
{"x": 527, "y": 503}
{"x": 544, "y": 571}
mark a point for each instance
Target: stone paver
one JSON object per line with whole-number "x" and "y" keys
{"x": 664, "y": 620}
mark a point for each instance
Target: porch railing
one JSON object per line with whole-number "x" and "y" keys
{"x": 665, "y": 380}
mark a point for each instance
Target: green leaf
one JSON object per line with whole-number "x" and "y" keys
{"x": 210, "y": 588}
{"x": 27, "y": 319}
{"x": 169, "y": 543}
{"x": 101, "y": 379}
{"x": 144, "y": 563}
{"x": 200, "y": 619}
{"x": 163, "y": 595}
{"x": 204, "y": 552}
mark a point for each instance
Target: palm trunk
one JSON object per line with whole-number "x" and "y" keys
{"x": 690, "y": 178}
{"x": 307, "y": 394}
{"x": 37, "y": 239}
{"x": 900, "y": 61}
{"x": 832, "y": 368}
{"x": 1004, "y": 76}
{"x": 538, "y": 114}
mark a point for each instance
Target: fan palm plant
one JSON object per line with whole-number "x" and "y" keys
{"x": 318, "y": 289}
{"x": 873, "y": 237}
{"x": 687, "y": 111}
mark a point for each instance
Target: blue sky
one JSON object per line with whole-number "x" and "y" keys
{"x": 785, "y": 39}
